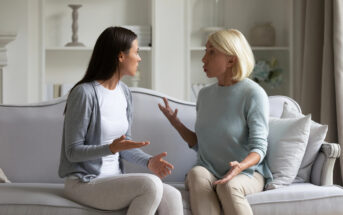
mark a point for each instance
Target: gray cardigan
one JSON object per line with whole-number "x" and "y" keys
{"x": 81, "y": 150}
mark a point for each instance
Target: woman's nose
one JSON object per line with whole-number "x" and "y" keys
{"x": 203, "y": 58}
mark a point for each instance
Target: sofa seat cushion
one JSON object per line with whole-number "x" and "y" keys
{"x": 41, "y": 199}
{"x": 299, "y": 198}
{"x": 296, "y": 199}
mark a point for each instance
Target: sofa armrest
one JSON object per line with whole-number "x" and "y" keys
{"x": 322, "y": 170}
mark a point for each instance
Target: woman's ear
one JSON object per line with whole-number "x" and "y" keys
{"x": 121, "y": 57}
{"x": 231, "y": 61}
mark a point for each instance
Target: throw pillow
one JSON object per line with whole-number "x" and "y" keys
{"x": 316, "y": 138}
{"x": 287, "y": 142}
{"x": 3, "y": 178}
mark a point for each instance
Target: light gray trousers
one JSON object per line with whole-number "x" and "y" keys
{"x": 143, "y": 194}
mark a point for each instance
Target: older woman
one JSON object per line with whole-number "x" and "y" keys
{"x": 230, "y": 132}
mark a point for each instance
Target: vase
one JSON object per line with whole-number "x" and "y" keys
{"x": 262, "y": 35}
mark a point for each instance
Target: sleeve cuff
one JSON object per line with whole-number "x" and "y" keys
{"x": 106, "y": 150}
{"x": 258, "y": 151}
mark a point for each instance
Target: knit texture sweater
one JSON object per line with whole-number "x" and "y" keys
{"x": 232, "y": 121}
{"x": 82, "y": 151}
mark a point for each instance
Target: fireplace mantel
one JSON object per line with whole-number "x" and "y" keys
{"x": 5, "y": 38}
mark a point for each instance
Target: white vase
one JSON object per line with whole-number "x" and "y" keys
{"x": 262, "y": 35}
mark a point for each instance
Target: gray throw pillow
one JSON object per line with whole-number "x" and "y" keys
{"x": 287, "y": 142}
{"x": 316, "y": 138}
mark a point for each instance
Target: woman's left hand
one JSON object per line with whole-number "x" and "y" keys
{"x": 235, "y": 170}
{"x": 159, "y": 166}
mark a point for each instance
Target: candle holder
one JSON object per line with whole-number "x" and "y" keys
{"x": 74, "y": 26}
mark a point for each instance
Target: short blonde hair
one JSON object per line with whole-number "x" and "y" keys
{"x": 233, "y": 43}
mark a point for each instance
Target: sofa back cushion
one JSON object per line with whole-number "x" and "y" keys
{"x": 30, "y": 136}
{"x": 276, "y": 105}
{"x": 150, "y": 124}
{"x": 30, "y": 141}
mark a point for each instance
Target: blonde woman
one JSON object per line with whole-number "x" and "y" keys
{"x": 231, "y": 130}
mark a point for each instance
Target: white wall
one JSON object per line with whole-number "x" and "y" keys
{"x": 22, "y": 75}
{"x": 169, "y": 77}
{"x": 34, "y": 52}
{"x": 13, "y": 18}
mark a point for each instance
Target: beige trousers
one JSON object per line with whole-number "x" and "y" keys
{"x": 143, "y": 194}
{"x": 206, "y": 199}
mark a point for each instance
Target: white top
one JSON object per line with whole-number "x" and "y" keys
{"x": 114, "y": 124}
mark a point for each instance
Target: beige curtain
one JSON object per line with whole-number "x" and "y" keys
{"x": 318, "y": 65}
{"x": 338, "y": 68}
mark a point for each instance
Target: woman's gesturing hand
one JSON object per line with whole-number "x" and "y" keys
{"x": 121, "y": 144}
{"x": 168, "y": 112}
{"x": 235, "y": 170}
{"x": 160, "y": 167}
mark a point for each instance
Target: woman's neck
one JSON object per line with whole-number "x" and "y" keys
{"x": 111, "y": 83}
{"x": 226, "y": 79}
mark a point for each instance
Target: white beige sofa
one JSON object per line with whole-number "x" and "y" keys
{"x": 30, "y": 139}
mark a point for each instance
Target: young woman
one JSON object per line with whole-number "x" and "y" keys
{"x": 97, "y": 135}
{"x": 230, "y": 132}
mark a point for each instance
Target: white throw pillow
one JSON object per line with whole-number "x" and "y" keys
{"x": 316, "y": 138}
{"x": 287, "y": 142}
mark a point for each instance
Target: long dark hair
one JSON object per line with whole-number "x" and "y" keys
{"x": 104, "y": 60}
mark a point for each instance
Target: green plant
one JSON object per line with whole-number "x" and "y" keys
{"x": 267, "y": 71}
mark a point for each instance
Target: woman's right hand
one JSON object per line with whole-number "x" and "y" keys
{"x": 121, "y": 144}
{"x": 168, "y": 112}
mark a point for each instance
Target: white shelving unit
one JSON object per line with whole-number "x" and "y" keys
{"x": 67, "y": 65}
{"x": 241, "y": 15}
{"x": 173, "y": 63}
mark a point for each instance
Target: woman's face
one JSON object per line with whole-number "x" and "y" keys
{"x": 215, "y": 62}
{"x": 129, "y": 61}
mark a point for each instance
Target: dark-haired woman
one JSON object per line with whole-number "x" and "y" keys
{"x": 96, "y": 136}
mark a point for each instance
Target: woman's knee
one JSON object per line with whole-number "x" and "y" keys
{"x": 232, "y": 187}
{"x": 199, "y": 178}
{"x": 197, "y": 172}
{"x": 151, "y": 183}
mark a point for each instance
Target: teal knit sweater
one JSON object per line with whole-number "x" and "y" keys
{"x": 232, "y": 121}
